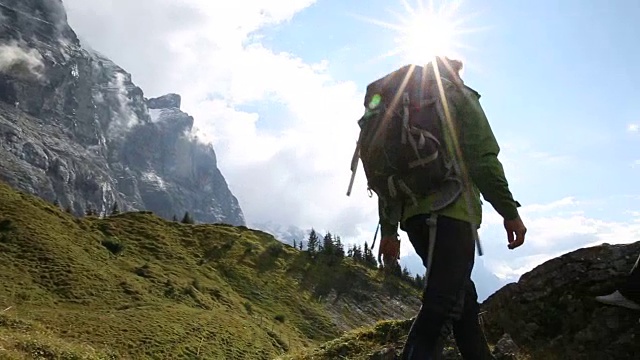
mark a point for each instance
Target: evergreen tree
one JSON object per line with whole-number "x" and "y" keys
{"x": 295, "y": 245}
{"x": 327, "y": 244}
{"x": 405, "y": 273}
{"x": 175, "y": 218}
{"x": 357, "y": 253}
{"x": 115, "y": 210}
{"x": 338, "y": 248}
{"x": 368, "y": 257}
{"x": 301, "y": 243}
{"x": 312, "y": 243}
{"x": 56, "y": 203}
{"x": 365, "y": 255}
{"x": 68, "y": 209}
{"x": 187, "y": 219}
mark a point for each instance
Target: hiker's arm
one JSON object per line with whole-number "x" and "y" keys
{"x": 386, "y": 228}
{"x": 480, "y": 151}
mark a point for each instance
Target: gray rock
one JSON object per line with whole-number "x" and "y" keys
{"x": 74, "y": 127}
{"x": 558, "y": 297}
{"x": 506, "y": 348}
{"x": 165, "y": 102}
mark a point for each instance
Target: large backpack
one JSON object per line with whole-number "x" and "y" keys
{"x": 402, "y": 144}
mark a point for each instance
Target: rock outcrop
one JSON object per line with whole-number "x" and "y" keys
{"x": 551, "y": 313}
{"x": 75, "y": 129}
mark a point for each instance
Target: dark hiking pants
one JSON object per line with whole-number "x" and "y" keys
{"x": 450, "y": 297}
{"x": 631, "y": 287}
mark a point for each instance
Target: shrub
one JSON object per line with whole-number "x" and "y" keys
{"x": 248, "y": 307}
{"x": 275, "y": 249}
{"x": 6, "y": 225}
{"x": 114, "y": 245}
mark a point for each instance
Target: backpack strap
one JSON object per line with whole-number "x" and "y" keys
{"x": 405, "y": 116}
{"x": 432, "y": 223}
{"x": 354, "y": 166}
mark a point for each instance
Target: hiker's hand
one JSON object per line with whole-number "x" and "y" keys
{"x": 390, "y": 247}
{"x": 515, "y": 232}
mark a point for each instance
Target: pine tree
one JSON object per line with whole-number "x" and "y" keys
{"x": 56, "y": 203}
{"x": 357, "y": 253}
{"x": 187, "y": 219}
{"x": 338, "y": 248}
{"x": 368, "y": 257}
{"x": 115, "y": 210}
{"x": 312, "y": 243}
{"x": 175, "y": 218}
{"x": 405, "y": 273}
{"x": 327, "y": 244}
{"x": 295, "y": 245}
{"x": 301, "y": 243}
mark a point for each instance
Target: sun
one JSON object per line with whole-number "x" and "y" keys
{"x": 424, "y": 36}
{"x": 426, "y": 31}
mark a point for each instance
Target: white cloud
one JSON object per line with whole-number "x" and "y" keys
{"x": 633, "y": 127}
{"x": 540, "y": 208}
{"x": 550, "y": 236}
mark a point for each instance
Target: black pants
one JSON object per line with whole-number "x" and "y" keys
{"x": 450, "y": 297}
{"x": 631, "y": 288}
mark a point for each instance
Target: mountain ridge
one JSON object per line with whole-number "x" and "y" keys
{"x": 100, "y": 145}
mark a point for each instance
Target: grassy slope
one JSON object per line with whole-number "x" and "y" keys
{"x": 382, "y": 341}
{"x": 365, "y": 343}
{"x": 137, "y": 285}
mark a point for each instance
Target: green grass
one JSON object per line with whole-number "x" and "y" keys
{"x": 136, "y": 286}
{"x": 360, "y": 344}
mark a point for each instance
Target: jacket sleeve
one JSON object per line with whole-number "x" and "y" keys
{"x": 480, "y": 155}
{"x": 387, "y": 228}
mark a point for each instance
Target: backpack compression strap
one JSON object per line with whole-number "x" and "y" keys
{"x": 432, "y": 222}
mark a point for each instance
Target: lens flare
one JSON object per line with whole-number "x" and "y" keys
{"x": 426, "y": 31}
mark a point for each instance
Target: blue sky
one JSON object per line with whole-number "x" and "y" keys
{"x": 277, "y": 88}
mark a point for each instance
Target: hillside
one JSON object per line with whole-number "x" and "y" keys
{"x": 135, "y": 285}
{"x": 549, "y": 314}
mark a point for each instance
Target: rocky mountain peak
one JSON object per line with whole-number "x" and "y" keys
{"x": 167, "y": 101}
{"x": 75, "y": 128}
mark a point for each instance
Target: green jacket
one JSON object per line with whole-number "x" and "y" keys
{"x": 479, "y": 150}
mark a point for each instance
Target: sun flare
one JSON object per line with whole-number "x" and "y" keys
{"x": 425, "y": 36}
{"x": 426, "y": 31}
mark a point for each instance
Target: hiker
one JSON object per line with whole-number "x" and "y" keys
{"x": 435, "y": 195}
{"x": 628, "y": 294}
